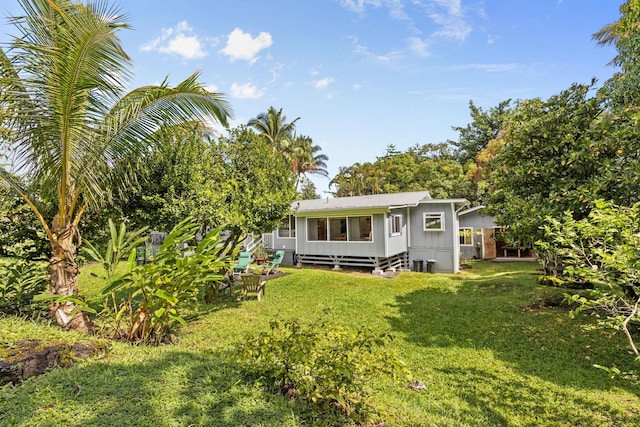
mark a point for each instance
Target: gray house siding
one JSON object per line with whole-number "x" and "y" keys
{"x": 396, "y": 243}
{"x": 375, "y": 247}
{"x": 435, "y": 245}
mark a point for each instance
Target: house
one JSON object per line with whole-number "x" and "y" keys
{"x": 477, "y": 231}
{"x": 378, "y": 231}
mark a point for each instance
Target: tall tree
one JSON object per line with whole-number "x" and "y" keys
{"x": 257, "y": 182}
{"x": 623, "y": 89}
{"x": 484, "y": 127}
{"x": 63, "y": 97}
{"x": 273, "y": 126}
{"x": 307, "y": 159}
{"x": 422, "y": 167}
{"x": 561, "y": 155}
{"x": 307, "y": 190}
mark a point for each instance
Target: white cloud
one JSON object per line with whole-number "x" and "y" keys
{"x": 449, "y": 15}
{"x": 246, "y": 91}
{"x": 323, "y": 83}
{"x": 489, "y": 68}
{"x": 418, "y": 46}
{"x": 451, "y": 20}
{"x": 357, "y": 86}
{"x": 363, "y": 50}
{"x": 241, "y": 45}
{"x": 179, "y": 40}
{"x": 359, "y": 6}
{"x": 211, "y": 88}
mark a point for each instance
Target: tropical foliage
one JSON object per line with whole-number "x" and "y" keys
{"x": 429, "y": 167}
{"x": 20, "y": 282}
{"x": 603, "y": 248}
{"x": 21, "y": 235}
{"x": 152, "y": 294}
{"x": 300, "y": 152}
{"x": 255, "y": 185}
{"x": 120, "y": 245}
{"x": 68, "y": 119}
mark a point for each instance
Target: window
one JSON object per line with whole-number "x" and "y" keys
{"x": 396, "y": 224}
{"x": 360, "y": 228}
{"x": 287, "y": 228}
{"x": 339, "y": 229}
{"x": 433, "y": 221}
{"x": 316, "y": 229}
{"x": 466, "y": 236}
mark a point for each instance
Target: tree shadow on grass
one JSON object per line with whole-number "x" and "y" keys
{"x": 174, "y": 387}
{"x": 493, "y": 313}
{"x": 520, "y": 402}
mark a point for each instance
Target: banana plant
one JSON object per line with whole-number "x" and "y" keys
{"x": 119, "y": 246}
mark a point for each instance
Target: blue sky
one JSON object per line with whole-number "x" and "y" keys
{"x": 363, "y": 74}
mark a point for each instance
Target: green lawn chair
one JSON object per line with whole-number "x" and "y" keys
{"x": 242, "y": 265}
{"x": 272, "y": 266}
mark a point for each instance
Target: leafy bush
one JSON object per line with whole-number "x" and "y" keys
{"x": 604, "y": 249}
{"x": 21, "y": 234}
{"x": 153, "y": 293}
{"x": 118, "y": 246}
{"x": 324, "y": 367}
{"x": 20, "y": 281}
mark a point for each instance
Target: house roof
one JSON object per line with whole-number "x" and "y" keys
{"x": 468, "y": 211}
{"x": 369, "y": 202}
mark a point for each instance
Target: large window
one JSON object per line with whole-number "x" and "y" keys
{"x": 396, "y": 224}
{"x": 433, "y": 221}
{"x": 466, "y": 236}
{"x": 287, "y": 228}
{"x": 316, "y": 229}
{"x": 339, "y": 229}
{"x": 360, "y": 228}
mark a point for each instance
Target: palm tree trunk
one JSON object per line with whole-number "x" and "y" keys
{"x": 63, "y": 280}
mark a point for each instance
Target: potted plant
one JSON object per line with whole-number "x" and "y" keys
{"x": 260, "y": 254}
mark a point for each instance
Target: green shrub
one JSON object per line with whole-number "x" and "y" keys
{"x": 152, "y": 293}
{"x": 20, "y": 281}
{"x": 323, "y": 367}
{"x": 119, "y": 246}
{"x": 602, "y": 249}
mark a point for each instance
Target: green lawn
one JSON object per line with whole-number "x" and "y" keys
{"x": 482, "y": 342}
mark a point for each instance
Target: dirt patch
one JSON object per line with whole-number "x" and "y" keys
{"x": 23, "y": 359}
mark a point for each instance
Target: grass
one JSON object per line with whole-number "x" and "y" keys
{"x": 482, "y": 341}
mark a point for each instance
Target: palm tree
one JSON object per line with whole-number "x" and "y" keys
{"x": 306, "y": 158}
{"x": 273, "y": 126}
{"x": 62, "y": 96}
{"x": 617, "y": 33}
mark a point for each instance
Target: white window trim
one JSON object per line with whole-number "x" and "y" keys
{"x": 392, "y": 219}
{"x": 327, "y": 218}
{"x": 433, "y": 215}
{"x": 292, "y": 220}
{"x": 470, "y": 235}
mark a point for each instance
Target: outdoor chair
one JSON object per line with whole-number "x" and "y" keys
{"x": 253, "y": 283}
{"x": 242, "y": 265}
{"x": 272, "y": 266}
